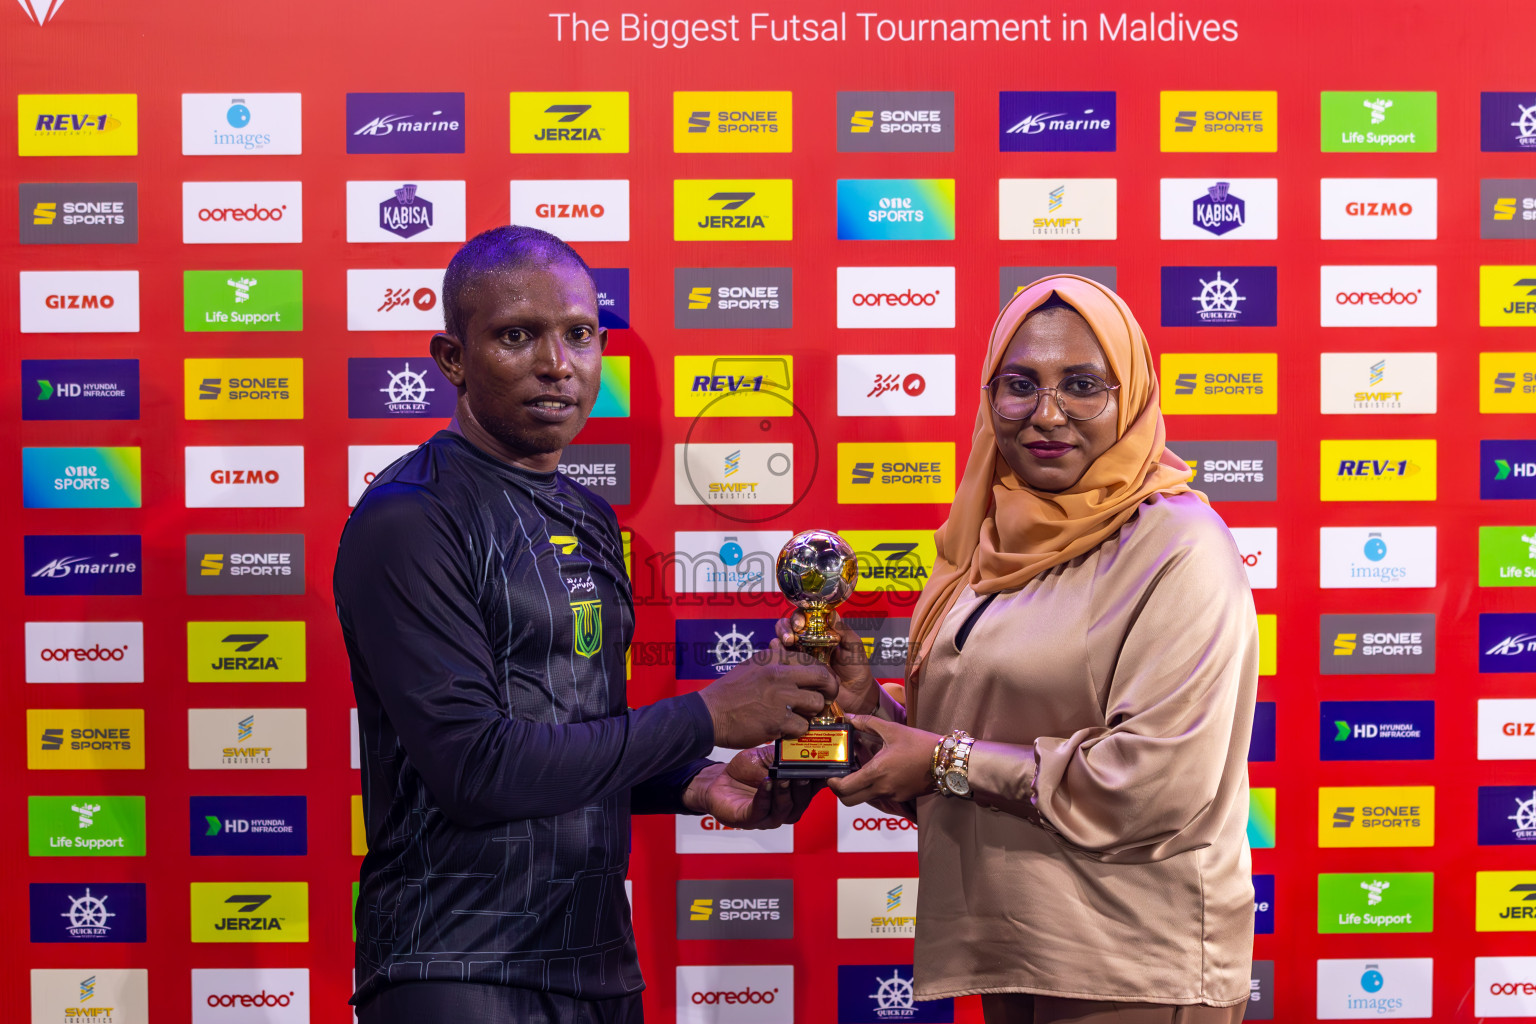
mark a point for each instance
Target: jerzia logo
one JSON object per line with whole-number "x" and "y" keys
{"x": 758, "y": 209}
{"x": 570, "y": 122}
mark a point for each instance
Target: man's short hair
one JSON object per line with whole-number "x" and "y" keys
{"x": 510, "y": 247}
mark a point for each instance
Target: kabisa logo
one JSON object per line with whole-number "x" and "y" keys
{"x": 569, "y": 122}
{"x": 1377, "y": 730}
{"x": 1231, "y": 470}
{"x": 732, "y": 122}
{"x": 1507, "y": 206}
{"x": 1045, "y": 209}
{"x": 243, "y": 300}
{"x": 243, "y": 389}
{"x": 892, "y": 560}
{"x": 734, "y": 385}
{"x": 1219, "y": 296}
{"x": 911, "y": 209}
{"x": 219, "y": 212}
{"x": 901, "y": 473}
{"x": 1220, "y": 384}
{"x": 1219, "y": 210}
{"x": 895, "y": 385}
{"x": 94, "y": 738}
{"x": 413, "y": 211}
{"x": 1509, "y": 122}
{"x": 1378, "y": 122}
{"x": 250, "y": 911}
{"x": 1379, "y": 382}
{"x": 85, "y": 652}
{"x": 756, "y": 909}
{"x": 407, "y": 214}
{"x": 79, "y": 301}
{"x": 85, "y": 565}
{"x": 79, "y": 389}
{"x": 79, "y": 213}
{"x": 1507, "y": 469}
{"x": 1354, "y": 557}
{"x": 1379, "y": 296}
{"x": 245, "y": 563}
{"x": 379, "y": 388}
{"x": 1056, "y": 122}
{"x": 245, "y": 652}
{"x": 895, "y": 122}
{"x": 1378, "y": 902}
{"x": 733, "y": 209}
{"x": 405, "y": 122}
{"x": 1506, "y": 556}
{"x": 77, "y": 124}
{"x": 1506, "y": 815}
{"x": 878, "y": 993}
{"x": 91, "y": 826}
{"x": 1378, "y": 470}
{"x": 87, "y": 911}
{"x": 1361, "y": 989}
{"x": 1506, "y": 901}
{"x": 602, "y": 468}
{"x": 81, "y": 478}
{"x": 248, "y": 826}
{"x": 1506, "y": 642}
{"x": 1376, "y": 645}
{"x": 721, "y": 297}
{"x": 1506, "y": 296}
{"x": 1200, "y": 209}
{"x": 252, "y": 123}
{"x": 1358, "y": 816}
{"x": 1218, "y": 122}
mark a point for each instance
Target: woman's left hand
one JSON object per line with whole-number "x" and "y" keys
{"x": 901, "y": 769}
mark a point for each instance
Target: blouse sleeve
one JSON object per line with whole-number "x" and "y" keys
{"x": 1146, "y": 785}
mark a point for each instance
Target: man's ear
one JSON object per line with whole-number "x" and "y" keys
{"x": 448, "y": 353}
{"x": 602, "y": 339}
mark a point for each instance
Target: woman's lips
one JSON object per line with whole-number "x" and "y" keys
{"x": 1048, "y": 449}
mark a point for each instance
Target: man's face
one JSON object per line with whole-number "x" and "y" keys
{"x": 529, "y": 364}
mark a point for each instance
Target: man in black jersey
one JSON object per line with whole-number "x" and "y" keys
{"x": 486, "y": 612}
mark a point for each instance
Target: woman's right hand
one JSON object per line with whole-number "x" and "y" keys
{"x": 858, "y": 692}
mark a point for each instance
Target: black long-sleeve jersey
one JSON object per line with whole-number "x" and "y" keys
{"x": 486, "y": 612}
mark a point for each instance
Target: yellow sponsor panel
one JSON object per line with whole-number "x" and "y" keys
{"x": 1506, "y": 382}
{"x": 245, "y": 652}
{"x": 77, "y": 124}
{"x": 243, "y": 389}
{"x": 570, "y": 122}
{"x": 733, "y": 209}
{"x": 359, "y": 827}
{"x": 1506, "y": 296}
{"x": 732, "y": 122}
{"x": 1214, "y": 383}
{"x": 1376, "y": 816}
{"x": 1506, "y": 901}
{"x": 1218, "y": 122}
{"x": 892, "y": 559}
{"x": 93, "y": 738}
{"x": 1268, "y": 645}
{"x": 250, "y": 911}
{"x": 896, "y": 473}
{"x": 733, "y": 385}
{"x": 1374, "y": 470}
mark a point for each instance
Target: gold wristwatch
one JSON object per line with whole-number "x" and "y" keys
{"x": 953, "y": 763}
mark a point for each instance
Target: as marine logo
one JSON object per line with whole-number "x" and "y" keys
{"x": 589, "y": 626}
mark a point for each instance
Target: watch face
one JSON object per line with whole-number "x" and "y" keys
{"x": 957, "y": 783}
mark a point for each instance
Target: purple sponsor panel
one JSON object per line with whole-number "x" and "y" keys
{"x": 405, "y": 122}
{"x": 390, "y": 388}
{"x": 1509, "y": 122}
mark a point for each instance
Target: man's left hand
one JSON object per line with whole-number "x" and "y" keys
{"x": 741, "y": 795}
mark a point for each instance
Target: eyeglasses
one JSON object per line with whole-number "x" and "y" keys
{"x": 1081, "y": 396}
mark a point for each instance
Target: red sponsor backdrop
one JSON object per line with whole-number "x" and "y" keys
{"x": 159, "y": 50}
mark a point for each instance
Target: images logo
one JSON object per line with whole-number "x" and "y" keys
{"x": 104, "y": 213}
{"x": 1231, "y": 470}
{"x": 390, "y": 388}
{"x": 1506, "y": 642}
{"x": 81, "y": 478}
{"x": 876, "y": 908}
{"x": 1056, "y": 122}
{"x": 1218, "y": 122}
{"x": 732, "y": 122}
{"x": 1506, "y": 296}
{"x": 90, "y": 565}
{"x": 245, "y": 652}
{"x": 569, "y": 122}
{"x": 1507, "y": 469}
{"x": 1219, "y": 297}
{"x": 1506, "y": 815}
{"x": 77, "y": 124}
{"x": 219, "y": 212}
{"x": 1366, "y": 557}
{"x": 93, "y": 738}
{"x": 246, "y": 738}
{"x": 249, "y": 826}
{"x": 1394, "y": 208}
{"x": 1378, "y": 296}
{"x": 744, "y": 385}
{"x": 884, "y": 992}
{"x": 1219, "y": 383}
{"x": 79, "y": 301}
{"x": 1378, "y": 122}
{"x": 1200, "y": 209}
{"x": 243, "y": 300}
{"x": 1377, "y": 730}
{"x": 85, "y": 652}
{"x": 895, "y": 298}
{"x": 1376, "y": 645}
{"x": 602, "y": 468}
{"x": 1508, "y": 122}
{"x": 895, "y": 473}
{"x": 737, "y": 562}
{"x": 733, "y": 209}
{"x": 243, "y": 389}
{"x": 250, "y": 911}
{"x": 1378, "y": 382}
{"x": 756, "y": 909}
{"x": 733, "y": 474}
{"x": 895, "y": 122}
{"x": 1375, "y": 816}
{"x": 87, "y": 912}
{"x": 1377, "y": 470}
{"x": 251, "y": 124}
{"x": 405, "y": 122}
{"x": 892, "y": 560}
{"x": 1359, "y": 989}
{"x": 85, "y": 826}
{"x": 896, "y": 208}
{"x": 1048, "y": 209}
{"x": 895, "y": 385}
{"x": 394, "y": 211}
{"x": 578, "y": 210}
{"x": 752, "y": 297}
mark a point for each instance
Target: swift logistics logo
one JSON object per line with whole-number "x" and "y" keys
{"x": 388, "y": 388}
{"x": 1392, "y": 208}
{"x": 242, "y": 300}
{"x": 1231, "y": 470}
{"x": 1218, "y": 122}
{"x": 576, "y": 209}
{"x": 405, "y": 122}
{"x": 1360, "y": 816}
{"x": 892, "y": 560}
{"x": 1507, "y": 470}
{"x": 1508, "y": 122}
{"x": 245, "y": 652}
{"x": 895, "y": 473}
{"x": 79, "y": 389}
{"x": 85, "y": 826}
{"x": 1220, "y": 383}
{"x": 1055, "y": 209}
{"x": 85, "y": 652}
{"x": 1375, "y": 903}
{"x": 97, "y": 564}
{"x": 246, "y": 738}
{"x": 733, "y": 122}
{"x": 733, "y": 474}
{"x": 878, "y": 993}
{"x": 1376, "y": 645}
{"x": 895, "y": 298}
{"x": 250, "y": 911}
{"x": 1378, "y": 122}
{"x": 77, "y": 124}
{"x": 1379, "y": 382}
{"x": 243, "y": 389}
{"x": 895, "y": 122}
{"x": 249, "y": 826}
{"x": 733, "y": 385}
{"x": 1506, "y": 642}
{"x": 248, "y": 124}
{"x": 94, "y": 739}
{"x": 1368, "y": 558}
{"x": 1200, "y": 209}
{"x": 1377, "y": 730}
{"x": 569, "y": 122}
{"x": 81, "y": 478}
{"x": 737, "y": 209}
{"x": 1506, "y": 901}
{"x": 394, "y": 299}
{"x": 87, "y": 911}
{"x": 895, "y": 385}
{"x": 1506, "y": 556}
{"x": 736, "y": 909}
{"x": 1379, "y": 296}
{"x": 1506, "y": 815}
{"x": 896, "y": 209}
{"x": 876, "y": 908}
{"x": 1056, "y": 122}
{"x": 245, "y": 563}
{"x": 247, "y": 212}
{"x": 1374, "y": 989}
{"x": 1378, "y": 470}
{"x": 1219, "y": 296}
{"x": 733, "y": 297}
{"x": 1506, "y": 382}
{"x": 1506, "y": 296}
{"x": 89, "y": 996}
{"x": 405, "y": 211}
{"x": 79, "y": 213}
{"x": 79, "y": 301}
{"x": 254, "y": 476}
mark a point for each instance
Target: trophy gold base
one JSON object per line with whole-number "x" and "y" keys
{"x": 824, "y": 752}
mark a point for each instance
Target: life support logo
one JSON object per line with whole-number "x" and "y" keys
{"x": 243, "y": 300}
{"x": 1218, "y": 122}
{"x": 1359, "y": 816}
{"x": 732, "y": 122}
{"x": 733, "y": 209}
{"x": 569, "y": 122}
{"x": 77, "y": 124}
{"x": 1378, "y": 122}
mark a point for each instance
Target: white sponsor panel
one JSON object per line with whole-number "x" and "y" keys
{"x": 1379, "y": 296}
{"x": 1211, "y": 210}
{"x": 896, "y": 385}
{"x": 1376, "y": 557}
{"x": 863, "y": 829}
{"x": 1505, "y": 986}
{"x": 85, "y": 652}
{"x": 1506, "y": 730}
{"x": 251, "y": 995}
{"x": 1374, "y": 989}
{"x": 1379, "y": 382}
{"x": 364, "y": 462}
{"x": 60, "y": 996}
{"x": 246, "y": 738}
{"x": 704, "y": 834}
{"x": 733, "y": 475}
{"x": 893, "y": 298}
{"x": 1395, "y": 208}
{"x": 241, "y": 124}
{"x": 79, "y": 301}
{"x": 395, "y": 300}
{"x": 241, "y": 212}
{"x": 405, "y": 211}
{"x": 254, "y": 476}
{"x": 728, "y": 562}
{"x": 717, "y": 994}
{"x": 876, "y": 908}
{"x": 576, "y": 210}
{"x": 1257, "y": 546}
{"x": 355, "y": 746}
{"x": 1056, "y": 209}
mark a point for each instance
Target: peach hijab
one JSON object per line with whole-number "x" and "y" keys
{"x": 1001, "y": 533}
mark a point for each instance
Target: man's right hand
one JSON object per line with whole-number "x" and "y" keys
{"x": 774, "y": 694}
{"x": 859, "y": 692}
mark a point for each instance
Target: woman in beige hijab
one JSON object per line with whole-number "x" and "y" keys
{"x": 1079, "y": 695}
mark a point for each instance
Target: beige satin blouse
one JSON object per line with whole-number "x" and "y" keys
{"x": 1105, "y": 855}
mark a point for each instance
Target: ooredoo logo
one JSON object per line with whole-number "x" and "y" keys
{"x": 1379, "y": 296}
{"x": 735, "y": 995}
{"x": 79, "y": 301}
{"x": 1505, "y": 986}
{"x": 267, "y": 995}
{"x": 85, "y": 652}
{"x": 863, "y": 829}
{"x": 221, "y": 212}
{"x": 896, "y": 297}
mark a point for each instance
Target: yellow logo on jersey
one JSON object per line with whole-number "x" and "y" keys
{"x": 1506, "y": 296}
{"x": 895, "y": 473}
{"x": 77, "y": 124}
{"x": 760, "y": 209}
{"x": 1372, "y": 470}
{"x": 1506, "y": 901}
{"x": 1376, "y": 816}
{"x": 732, "y": 122}
{"x": 1506, "y": 382}
{"x": 589, "y": 626}
{"x": 243, "y": 389}
{"x": 733, "y": 385}
{"x": 892, "y": 559}
{"x": 245, "y": 652}
{"x": 570, "y": 122}
{"x": 96, "y": 738}
{"x": 250, "y": 911}
{"x": 1220, "y": 384}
